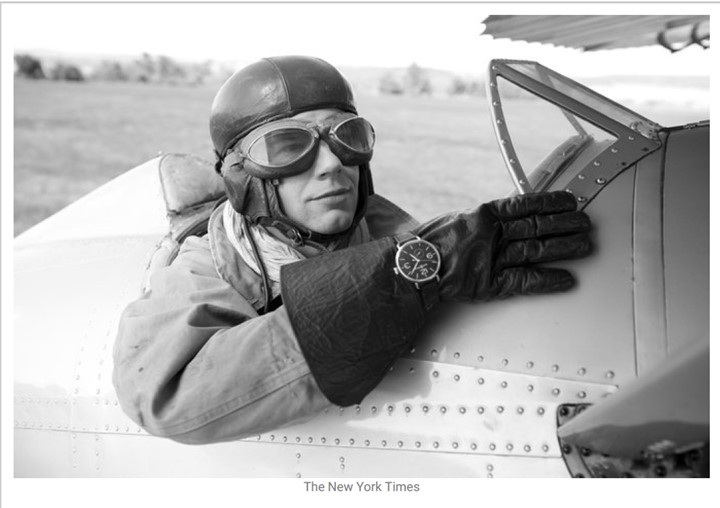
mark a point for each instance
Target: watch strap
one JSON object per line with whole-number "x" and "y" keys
{"x": 429, "y": 290}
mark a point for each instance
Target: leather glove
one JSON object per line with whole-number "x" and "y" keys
{"x": 491, "y": 252}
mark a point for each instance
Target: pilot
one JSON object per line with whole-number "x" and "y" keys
{"x": 308, "y": 286}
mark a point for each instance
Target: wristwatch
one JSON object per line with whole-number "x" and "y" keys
{"x": 418, "y": 261}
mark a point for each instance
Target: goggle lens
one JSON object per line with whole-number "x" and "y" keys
{"x": 281, "y": 147}
{"x": 357, "y": 134}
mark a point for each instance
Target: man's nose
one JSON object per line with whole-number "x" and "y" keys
{"x": 326, "y": 162}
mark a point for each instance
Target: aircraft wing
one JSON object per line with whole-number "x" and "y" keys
{"x": 592, "y": 33}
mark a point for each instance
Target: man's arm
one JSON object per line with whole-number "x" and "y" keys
{"x": 194, "y": 361}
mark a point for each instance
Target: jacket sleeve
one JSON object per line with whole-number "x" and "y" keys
{"x": 193, "y": 361}
{"x": 352, "y": 316}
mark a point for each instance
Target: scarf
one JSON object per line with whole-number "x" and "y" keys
{"x": 274, "y": 253}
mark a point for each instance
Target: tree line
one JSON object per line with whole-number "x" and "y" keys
{"x": 414, "y": 80}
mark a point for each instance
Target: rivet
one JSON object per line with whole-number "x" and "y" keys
{"x": 480, "y": 358}
{"x": 545, "y": 448}
{"x": 418, "y": 444}
{"x": 582, "y": 199}
{"x": 297, "y": 455}
{"x": 499, "y": 121}
{"x": 555, "y": 368}
{"x": 596, "y": 163}
{"x": 490, "y": 467}
{"x": 373, "y": 409}
{"x": 456, "y": 377}
{"x": 520, "y": 410}
{"x": 390, "y": 408}
{"x": 530, "y": 388}
{"x": 323, "y": 440}
{"x": 412, "y": 350}
{"x": 426, "y": 408}
{"x": 609, "y": 374}
{"x": 443, "y": 409}
{"x": 455, "y": 445}
{"x": 492, "y": 446}
{"x": 456, "y": 355}
{"x": 272, "y": 437}
{"x": 342, "y": 466}
{"x": 492, "y": 85}
{"x": 495, "y": 103}
{"x": 435, "y": 373}
{"x": 582, "y": 395}
{"x": 400, "y": 444}
{"x": 489, "y": 475}
{"x": 434, "y": 352}
{"x": 614, "y": 150}
{"x": 631, "y": 138}
{"x": 481, "y": 410}
{"x": 284, "y": 439}
{"x": 298, "y": 475}
{"x": 504, "y": 384}
{"x": 564, "y": 411}
{"x": 352, "y": 441}
{"x": 504, "y": 141}
{"x": 541, "y": 410}
{"x": 513, "y": 161}
{"x": 509, "y": 447}
{"x": 462, "y": 410}
{"x": 481, "y": 381}
{"x": 500, "y": 409}
{"x": 435, "y": 444}
{"x": 527, "y": 448}
{"x": 494, "y": 67}
{"x": 297, "y": 439}
{"x": 383, "y": 442}
{"x": 367, "y": 442}
{"x": 337, "y": 441}
{"x": 567, "y": 449}
{"x": 586, "y": 452}
{"x": 505, "y": 361}
{"x": 556, "y": 391}
{"x": 581, "y": 177}
{"x": 582, "y": 371}
{"x": 412, "y": 370}
{"x": 529, "y": 365}
{"x": 473, "y": 446}
{"x": 600, "y": 181}
{"x": 357, "y": 409}
{"x": 660, "y": 470}
{"x": 407, "y": 409}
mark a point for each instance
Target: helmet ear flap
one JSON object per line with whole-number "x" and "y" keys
{"x": 246, "y": 193}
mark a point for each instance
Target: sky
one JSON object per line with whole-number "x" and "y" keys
{"x": 433, "y": 35}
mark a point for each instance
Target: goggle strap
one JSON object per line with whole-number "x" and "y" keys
{"x": 232, "y": 159}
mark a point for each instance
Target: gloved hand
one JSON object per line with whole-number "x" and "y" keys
{"x": 491, "y": 251}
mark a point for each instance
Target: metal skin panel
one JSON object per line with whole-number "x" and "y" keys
{"x": 585, "y": 334}
{"x": 686, "y": 236}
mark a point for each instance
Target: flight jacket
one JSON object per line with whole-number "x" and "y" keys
{"x": 195, "y": 359}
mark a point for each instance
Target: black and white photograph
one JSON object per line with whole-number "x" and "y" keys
{"x": 355, "y": 252}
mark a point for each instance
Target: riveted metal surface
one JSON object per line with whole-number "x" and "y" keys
{"x": 585, "y": 334}
{"x": 435, "y": 408}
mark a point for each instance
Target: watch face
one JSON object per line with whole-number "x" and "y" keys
{"x": 418, "y": 260}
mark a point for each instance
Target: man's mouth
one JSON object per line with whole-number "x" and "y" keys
{"x": 342, "y": 191}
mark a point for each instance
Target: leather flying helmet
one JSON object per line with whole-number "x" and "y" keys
{"x": 265, "y": 91}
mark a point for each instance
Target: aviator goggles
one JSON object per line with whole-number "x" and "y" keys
{"x": 288, "y": 147}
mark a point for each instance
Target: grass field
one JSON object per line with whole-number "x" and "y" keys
{"x": 434, "y": 154}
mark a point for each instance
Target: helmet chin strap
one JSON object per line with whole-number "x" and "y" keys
{"x": 300, "y": 235}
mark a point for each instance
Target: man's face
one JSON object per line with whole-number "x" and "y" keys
{"x": 324, "y": 197}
